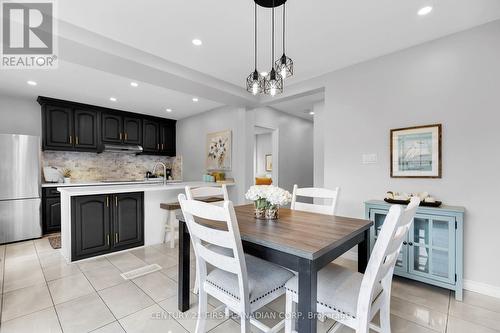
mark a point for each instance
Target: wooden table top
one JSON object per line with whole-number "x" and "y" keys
{"x": 307, "y": 235}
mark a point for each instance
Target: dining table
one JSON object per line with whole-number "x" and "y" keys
{"x": 303, "y": 242}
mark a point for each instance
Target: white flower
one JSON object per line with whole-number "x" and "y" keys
{"x": 274, "y": 195}
{"x": 217, "y": 147}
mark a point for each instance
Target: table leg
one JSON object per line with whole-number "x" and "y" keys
{"x": 364, "y": 252}
{"x": 184, "y": 269}
{"x": 308, "y": 280}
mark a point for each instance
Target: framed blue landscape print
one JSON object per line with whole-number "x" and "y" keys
{"x": 416, "y": 152}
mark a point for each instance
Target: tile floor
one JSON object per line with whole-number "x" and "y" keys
{"x": 40, "y": 292}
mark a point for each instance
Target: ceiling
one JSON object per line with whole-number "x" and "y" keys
{"x": 323, "y": 36}
{"x": 300, "y": 106}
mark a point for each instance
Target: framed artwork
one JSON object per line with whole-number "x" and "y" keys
{"x": 416, "y": 152}
{"x": 219, "y": 150}
{"x": 269, "y": 162}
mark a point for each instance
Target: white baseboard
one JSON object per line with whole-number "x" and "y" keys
{"x": 482, "y": 288}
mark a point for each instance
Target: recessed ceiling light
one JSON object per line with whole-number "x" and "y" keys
{"x": 311, "y": 113}
{"x": 168, "y": 110}
{"x": 264, "y": 73}
{"x": 425, "y": 10}
{"x": 112, "y": 99}
{"x": 31, "y": 83}
{"x": 134, "y": 84}
{"x": 195, "y": 99}
{"x": 197, "y": 42}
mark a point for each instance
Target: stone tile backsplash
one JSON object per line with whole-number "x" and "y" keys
{"x": 92, "y": 166}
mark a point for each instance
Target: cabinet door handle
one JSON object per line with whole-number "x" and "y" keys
{"x": 107, "y": 201}
{"x": 126, "y": 136}
{"x": 116, "y": 201}
{"x": 76, "y": 140}
{"x": 121, "y": 135}
{"x": 108, "y": 239}
{"x": 162, "y": 145}
{"x": 411, "y": 244}
{"x": 116, "y": 238}
{"x": 70, "y": 139}
{"x": 158, "y": 146}
{"x": 405, "y": 243}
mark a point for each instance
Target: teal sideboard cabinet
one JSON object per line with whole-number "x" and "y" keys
{"x": 433, "y": 249}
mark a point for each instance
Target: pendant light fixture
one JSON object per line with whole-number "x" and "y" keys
{"x": 273, "y": 84}
{"x": 284, "y": 65}
{"x": 255, "y": 81}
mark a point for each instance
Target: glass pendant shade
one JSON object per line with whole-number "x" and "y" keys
{"x": 284, "y": 66}
{"x": 273, "y": 84}
{"x": 255, "y": 83}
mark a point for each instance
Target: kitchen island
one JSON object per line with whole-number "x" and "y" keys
{"x": 92, "y": 217}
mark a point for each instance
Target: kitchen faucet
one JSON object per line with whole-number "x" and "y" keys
{"x": 164, "y": 171}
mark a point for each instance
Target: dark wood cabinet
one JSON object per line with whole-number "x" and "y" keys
{"x": 127, "y": 221}
{"x": 57, "y": 127}
{"x": 106, "y": 223}
{"x": 111, "y": 128}
{"x": 51, "y": 210}
{"x": 85, "y": 129}
{"x": 167, "y": 138}
{"x": 80, "y": 127}
{"x": 151, "y": 136}
{"x": 132, "y": 128}
{"x": 91, "y": 226}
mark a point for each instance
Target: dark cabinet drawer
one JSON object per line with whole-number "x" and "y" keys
{"x": 51, "y": 192}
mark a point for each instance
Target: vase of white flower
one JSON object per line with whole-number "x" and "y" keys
{"x": 267, "y": 200}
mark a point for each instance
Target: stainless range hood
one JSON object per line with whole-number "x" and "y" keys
{"x": 126, "y": 149}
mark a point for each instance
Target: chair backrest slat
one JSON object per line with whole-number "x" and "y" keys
{"x": 208, "y": 191}
{"x": 226, "y": 263}
{"x": 211, "y": 235}
{"x": 315, "y": 193}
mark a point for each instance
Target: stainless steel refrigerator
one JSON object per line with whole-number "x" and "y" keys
{"x": 20, "y": 202}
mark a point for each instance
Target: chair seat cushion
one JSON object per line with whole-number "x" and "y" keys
{"x": 338, "y": 289}
{"x": 264, "y": 278}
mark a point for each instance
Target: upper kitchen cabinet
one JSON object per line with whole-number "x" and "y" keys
{"x": 132, "y": 129}
{"x": 151, "y": 136}
{"x": 86, "y": 134}
{"x": 117, "y": 128}
{"x": 167, "y": 138}
{"x": 80, "y": 127}
{"x": 57, "y": 123}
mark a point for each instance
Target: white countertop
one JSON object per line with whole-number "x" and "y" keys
{"x": 101, "y": 188}
{"x": 106, "y": 183}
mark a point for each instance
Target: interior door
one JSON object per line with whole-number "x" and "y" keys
{"x": 132, "y": 128}
{"x": 431, "y": 245}
{"x": 378, "y": 217}
{"x": 112, "y": 128}
{"x": 85, "y": 129}
{"x": 90, "y": 225}
{"x": 128, "y": 220}
{"x": 58, "y": 127}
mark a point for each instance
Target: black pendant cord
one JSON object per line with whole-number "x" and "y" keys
{"x": 255, "y": 36}
{"x": 284, "y": 6}
{"x": 272, "y": 46}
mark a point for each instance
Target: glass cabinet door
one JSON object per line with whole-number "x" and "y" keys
{"x": 378, "y": 218}
{"x": 430, "y": 240}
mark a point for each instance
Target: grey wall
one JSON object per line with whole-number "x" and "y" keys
{"x": 295, "y": 152}
{"x": 263, "y": 147}
{"x": 191, "y": 145}
{"x": 319, "y": 147}
{"x": 454, "y": 81}
{"x": 19, "y": 116}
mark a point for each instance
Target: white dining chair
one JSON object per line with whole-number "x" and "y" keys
{"x": 352, "y": 298}
{"x": 242, "y": 282}
{"x": 206, "y": 192}
{"x": 315, "y": 193}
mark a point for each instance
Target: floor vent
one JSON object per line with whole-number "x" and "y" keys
{"x": 141, "y": 271}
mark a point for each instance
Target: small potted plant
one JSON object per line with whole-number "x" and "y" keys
{"x": 67, "y": 175}
{"x": 257, "y": 194}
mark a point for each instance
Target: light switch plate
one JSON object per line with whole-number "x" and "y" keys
{"x": 369, "y": 158}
